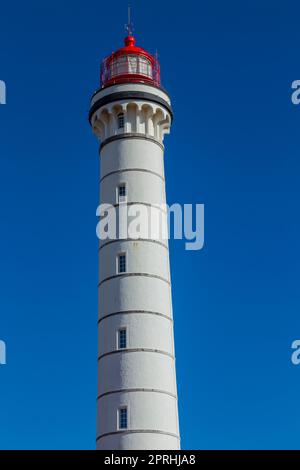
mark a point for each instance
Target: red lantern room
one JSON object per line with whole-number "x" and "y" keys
{"x": 130, "y": 64}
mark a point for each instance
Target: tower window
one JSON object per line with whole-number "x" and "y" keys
{"x": 122, "y": 193}
{"x": 122, "y": 338}
{"x": 121, "y": 120}
{"x": 123, "y": 421}
{"x": 122, "y": 263}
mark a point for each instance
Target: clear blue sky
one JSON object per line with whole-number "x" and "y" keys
{"x": 228, "y": 67}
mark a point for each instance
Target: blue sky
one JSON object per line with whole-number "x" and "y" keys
{"x": 228, "y": 67}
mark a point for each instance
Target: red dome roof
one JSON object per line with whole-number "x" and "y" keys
{"x": 131, "y": 48}
{"x": 130, "y": 64}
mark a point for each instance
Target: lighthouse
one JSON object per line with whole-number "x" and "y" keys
{"x": 130, "y": 114}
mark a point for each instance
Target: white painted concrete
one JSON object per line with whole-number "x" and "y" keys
{"x": 145, "y": 330}
{"x": 142, "y": 257}
{"x": 132, "y": 153}
{"x": 134, "y": 293}
{"x": 150, "y": 419}
{"x": 137, "y": 441}
{"x": 136, "y": 369}
{"x": 141, "y": 185}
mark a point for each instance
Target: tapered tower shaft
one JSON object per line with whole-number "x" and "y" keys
{"x": 137, "y": 393}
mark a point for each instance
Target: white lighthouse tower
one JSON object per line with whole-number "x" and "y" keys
{"x": 137, "y": 393}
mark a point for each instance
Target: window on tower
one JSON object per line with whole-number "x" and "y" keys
{"x": 122, "y": 263}
{"x": 122, "y": 193}
{"x": 122, "y": 338}
{"x": 121, "y": 120}
{"x": 122, "y": 418}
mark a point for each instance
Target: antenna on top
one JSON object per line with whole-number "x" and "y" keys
{"x": 129, "y": 25}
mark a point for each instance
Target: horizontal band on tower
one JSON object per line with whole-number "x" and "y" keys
{"x": 129, "y": 95}
{"x": 160, "y": 87}
{"x": 136, "y": 203}
{"x": 117, "y": 351}
{"x": 130, "y": 390}
{"x": 116, "y": 276}
{"x": 150, "y": 240}
{"x": 128, "y": 312}
{"x": 132, "y": 169}
{"x": 130, "y": 135}
{"x": 132, "y": 431}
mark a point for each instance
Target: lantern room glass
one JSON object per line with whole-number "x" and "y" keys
{"x": 131, "y": 64}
